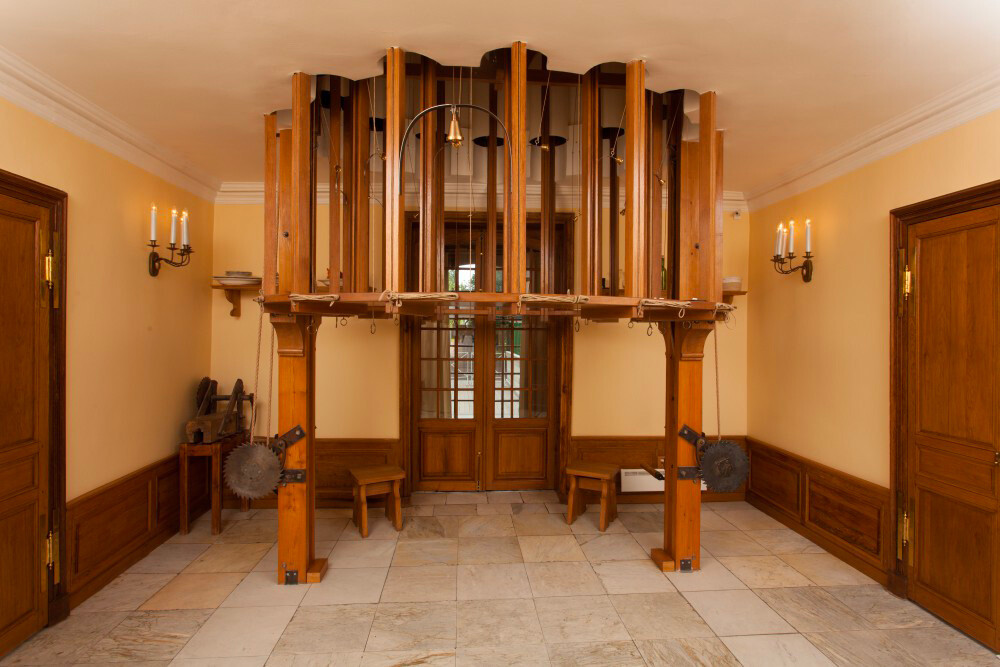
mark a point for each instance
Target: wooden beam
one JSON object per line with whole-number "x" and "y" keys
{"x": 590, "y": 190}
{"x": 361, "y": 171}
{"x": 655, "y": 263}
{"x": 430, "y": 142}
{"x": 673, "y": 125}
{"x": 688, "y": 224}
{"x": 636, "y": 181}
{"x": 709, "y": 284}
{"x": 514, "y": 245}
{"x": 395, "y": 207}
{"x": 490, "y": 252}
{"x": 547, "y": 158}
{"x": 719, "y": 218}
{"x": 285, "y": 240}
{"x": 270, "y": 275}
{"x": 336, "y": 184}
{"x": 348, "y": 185}
{"x": 302, "y": 190}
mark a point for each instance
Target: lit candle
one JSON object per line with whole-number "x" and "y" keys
{"x": 791, "y": 238}
{"x": 184, "y": 229}
{"x": 777, "y": 240}
{"x": 152, "y": 223}
{"x": 173, "y": 226}
{"x": 784, "y": 241}
{"x": 809, "y": 237}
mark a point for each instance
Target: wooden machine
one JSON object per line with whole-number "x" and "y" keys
{"x": 506, "y": 190}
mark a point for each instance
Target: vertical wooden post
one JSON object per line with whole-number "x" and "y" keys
{"x": 395, "y": 115}
{"x": 336, "y": 184}
{"x": 591, "y": 183}
{"x": 270, "y": 282}
{"x": 689, "y": 255}
{"x": 514, "y": 244}
{"x": 490, "y": 255}
{"x": 361, "y": 173}
{"x": 285, "y": 240}
{"x": 348, "y": 185}
{"x": 710, "y": 285}
{"x": 547, "y": 158}
{"x": 718, "y": 219}
{"x": 636, "y": 182}
{"x": 430, "y": 141}
{"x": 655, "y": 188}
{"x": 296, "y": 335}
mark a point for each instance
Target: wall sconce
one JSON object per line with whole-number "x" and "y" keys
{"x": 784, "y": 251}
{"x": 183, "y": 254}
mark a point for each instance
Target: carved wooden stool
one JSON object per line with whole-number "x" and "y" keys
{"x": 375, "y": 481}
{"x": 592, "y": 477}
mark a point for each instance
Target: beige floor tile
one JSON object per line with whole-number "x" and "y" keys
{"x": 547, "y": 548}
{"x": 531, "y": 655}
{"x": 764, "y": 571}
{"x": 379, "y": 528}
{"x": 648, "y": 541}
{"x": 462, "y": 509}
{"x": 812, "y": 609}
{"x": 865, "y": 647}
{"x": 659, "y": 616}
{"x": 642, "y": 522}
{"x": 145, "y": 636}
{"x": 737, "y": 613}
{"x": 556, "y": 508}
{"x": 492, "y": 581}
{"x": 504, "y": 497}
{"x": 408, "y": 626}
{"x": 881, "y": 608}
{"x": 539, "y": 497}
{"x": 529, "y": 508}
{"x": 195, "y": 591}
{"x": 426, "y": 552}
{"x": 238, "y": 632}
{"x": 497, "y": 623}
{"x": 261, "y": 589}
{"x": 713, "y": 576}
{"x": 639, "y": 507}
{"x": 691, "y": 652}
{"x": 589, "y": 524}
{"x": 431, "y": 527}
{"x": 463, "y": 498}
{"x": 428, "y": 498}
{"x": 252, "y": 661}
{"x": 328, "y": 530}
{"x": 267, "y": 514}
{"x": 784, "y": 541}
{"x": 365, "y": 553}
{"x": 563, "y": 579}
{"x": 826, "y": 570}
{"x": 333, "y": 629}
{"x": 418, "y": 510}
{"x": 420, "y": 583}
{"x": 58, "y": 644}
{"x": 269, "y": 563}
{"x": 775, "y": 651}
{"x": 486, "y": 509}
{"x": 540, "y": 524}
{"x": 482, "y": 550}
{"x": 359, "y": 585}
{"x": 250, "y": 532}
{"x": 486, "y": 526}
{"x": 632, "y": 576}
{"x": 621, "y": 654}
{"x": 200, "y": 533}
{"x": 604, "y": 547}
{"x": 579, "y": 619}
{"x": 728, "y": 506}
{"x": 731, "y": 543}
{"x": 334, "y": 512}
{"x": 347, "y": 659}
{"x": 716, "y": 521}
{"x": 234, "y": 514}
{"x": 228, "y": 558}
{"x": 168, "y": 559}
{"x": 126, "y": 592}
{"x": 942, "y": 645}
{"x": 433, "y": 658}
{"x": 752, "y": 520}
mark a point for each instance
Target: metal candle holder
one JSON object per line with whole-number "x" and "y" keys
{"x": 155, "y": 259}
{"x": 806, "y": 267}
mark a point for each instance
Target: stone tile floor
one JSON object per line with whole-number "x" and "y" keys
{"x": 498, "y": 579}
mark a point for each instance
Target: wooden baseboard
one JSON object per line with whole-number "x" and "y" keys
{"x": 847, "y": 516}
{"x": 113, "y": 527}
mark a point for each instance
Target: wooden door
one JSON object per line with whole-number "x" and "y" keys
{"x": 952, "y": 413}
{"x": 24, "y": 420}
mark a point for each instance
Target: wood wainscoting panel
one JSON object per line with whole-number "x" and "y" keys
{"x": 849, "y": 517}
{"x": 112, "y": 527}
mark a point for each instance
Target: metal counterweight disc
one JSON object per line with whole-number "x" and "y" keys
{"x": 724, "y": 466}
{"x": 252, "y": 471}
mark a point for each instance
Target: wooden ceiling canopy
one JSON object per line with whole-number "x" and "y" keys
{"x": 649, "y": 238}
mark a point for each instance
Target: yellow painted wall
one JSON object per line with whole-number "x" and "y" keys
{"x": 819, "y": 352}
{"x": 136, "y": 345}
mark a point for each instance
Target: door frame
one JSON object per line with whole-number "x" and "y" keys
{"x": 900, "y": 219}
{"x": 55, "y": 201}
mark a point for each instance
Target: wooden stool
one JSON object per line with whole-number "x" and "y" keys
{"x": 374, "y": 481}
{"x": 592, "y": 477}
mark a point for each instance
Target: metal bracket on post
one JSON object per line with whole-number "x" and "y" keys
{"x": 686, "y": 565}
{"x": 688, "y": 472}
{"x": 293, "y": 476}
{"x": 692, "y": 436}
{"x": 291, "y": 577}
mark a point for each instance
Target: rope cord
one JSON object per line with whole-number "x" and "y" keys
{"x": 331, "y": 298}
{"x": 553, "y": 298}
{"x": 718, "y": 402}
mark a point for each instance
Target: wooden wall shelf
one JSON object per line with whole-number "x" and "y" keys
{"x": 727, "y": 295}
{"x": 232, "y": 293}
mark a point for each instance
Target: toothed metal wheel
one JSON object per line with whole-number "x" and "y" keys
{"x": 724, "y": 466}
{"x": 253, "y": 471}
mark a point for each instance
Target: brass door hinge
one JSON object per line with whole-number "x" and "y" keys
{"x": 907, "y": 282}
{"x": 902, "y": 534}
{"x": 48, "y": 269}
{"x": 52, "y": 555}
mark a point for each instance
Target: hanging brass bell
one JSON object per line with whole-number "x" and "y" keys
{"x": 455, "y": 137}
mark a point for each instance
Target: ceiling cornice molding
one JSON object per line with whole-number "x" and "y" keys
{"x": 33, "y": 90}
{"x": 939, "y": 114}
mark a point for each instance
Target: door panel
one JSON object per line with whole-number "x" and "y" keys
{"x": 952, "y": 419}
{"x": 519, "y": 457}
{"x": 24, "y": 420}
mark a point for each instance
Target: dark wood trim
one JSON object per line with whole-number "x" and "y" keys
{"x": 114, "y": 526}
{"x": 849, "y": 517}
{"x": 55, "y": 201}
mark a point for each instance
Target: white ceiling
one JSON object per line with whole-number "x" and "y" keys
{"x": 795, "y": 78}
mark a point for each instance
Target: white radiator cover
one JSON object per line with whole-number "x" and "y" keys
{"x": 638, "y": 480}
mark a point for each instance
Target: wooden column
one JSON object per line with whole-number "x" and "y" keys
{"x": 514, "y": 243}
{"x": 296, "y": 336}
{"x": 590, "y": 183}
{"x": 348, "y": 184}
{"x": 490, "y": 254}
{"x": 430, "y": 142}
{"x": 709, "y": 211}
{"x": 361, "y": 178}
{"x": 688, "y": 243}
{"x": 636, "y": 182}
{"x": 547, "y": 158}
{"x": 395, "y": 116}
{"x": 682, "y": 497}
{"x": 655, "y": 188}
{"x": 269, "y": 280}
{"x": 336, "y": 184}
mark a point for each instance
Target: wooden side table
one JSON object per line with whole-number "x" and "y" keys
{"x": 215, "y": 450}
{"x": 598, "y": 477}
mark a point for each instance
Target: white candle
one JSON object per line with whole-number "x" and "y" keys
{"x": 791, "y": 237}
{"x": 784, "y": 241}
{"x": 777, "y": 241}
{"x": 152, "y": 224}
{"x": 809, "y": 237}
{"x": 173, "y": 226}
{"x": 184, "y": 229}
